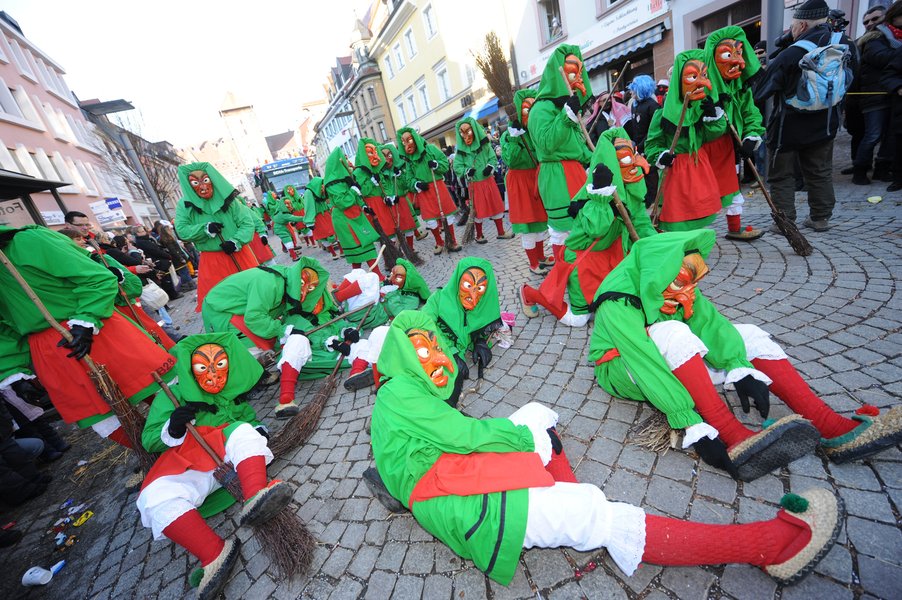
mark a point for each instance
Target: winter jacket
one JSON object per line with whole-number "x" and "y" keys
{"x": 876, "y": 49}
{"x": 892, "y": 83}
{"x": 643, "y": 110}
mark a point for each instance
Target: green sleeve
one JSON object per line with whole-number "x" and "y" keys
{"x": 367, "y": 188}
{"x": 433, "y": 153}
{"x": 551, "y": 129}
{"x": 15, "y": 355}
{"x": 514, "y": 152}
{"x": 282, "y": 218}
{"x": 485, "y": 156}
{"x": 262, "y": 300}
{"x": 625, "y": 327}
{"x": 244, "y": 226}
{"x": 344, "y": 199}
{"x": 157, "y": 416}
{"x": 462, "y": 162}
{"x": 190, "y": 225}
{"x": 309, "y": 207}
{"x": 132, "y": 285}
{"x": 726, "y": 350}
{"x": 656, "y": 142}
{"x": 751, "y": 125}
{"x": 712, "y": 130}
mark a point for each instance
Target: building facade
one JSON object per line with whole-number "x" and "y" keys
{"x": 243, "y": 128}
{"x": 337, "y": 128}
{"x": 366, "y": 92}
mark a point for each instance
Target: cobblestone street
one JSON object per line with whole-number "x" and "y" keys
{"x": 837, "y": 314}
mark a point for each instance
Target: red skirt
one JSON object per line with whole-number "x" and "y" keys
{"x": 429, "y": 206}
{"x": 189, "y": 455}
{"x": 486, "y": 198}
{"x": 216, "y": 266}
{"x": 575, "y": 174}
{"x": 690, "y": 191}
{"x": 722, "y": 157}
{"x": 388, "y": 216}
{"x": 523, "y": 197}
{"x": 322, "y": 226}
{"x": 260, "y": 250}
{"x": 128, "y": 354}
{"x": 594, "y": 265}
{"x": 147, "y": 322}
{"x": 237, "y": 322}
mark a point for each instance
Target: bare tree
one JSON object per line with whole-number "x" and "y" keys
{"x": 493, "y": 65}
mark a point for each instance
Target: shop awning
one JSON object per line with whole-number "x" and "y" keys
{"x": 646, "y": 38}
{"x": 484, "y": 109}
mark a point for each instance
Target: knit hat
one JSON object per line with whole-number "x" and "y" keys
{"x": 811, "y": 10}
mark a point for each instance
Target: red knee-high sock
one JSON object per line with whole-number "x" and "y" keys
{"x": 293, "y": 253}
{"x": 252, "y": 475}
{"x": 410, "y": 240}
{"x": 355, "y": 265}
{"x": 347, "y": 289}
{"x": 331, "y": 249}
{"x": 453, "y": 236}
{"x": 559, "y": 467}
{"x": 695, "y": 378}
{"x": 540, "y": 252}
{"x": 734, "y": 223}
{"x": 478, "y": 230}
{"x": 789, "y": 386}
{"x": 374, "y": 268}
{"x": 677, "y": 542}
{"x": 499, "y": 225}
{"x": 287, "y": 383}
{"x": 120, "y": 438}
{"x": 532, "y": 254}
{"x": 533, "y": 296}
{"x": 192, "y": 533}
{"x": 557, "y": 250}
{"x": 437, "y": 234}
{"x": 358, "y": 366}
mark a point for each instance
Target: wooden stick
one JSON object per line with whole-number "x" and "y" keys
{"x": 655, "y": 213}
{"x": 582, "y": 125}
{"x": 625, "y": 216}
{"x": 191, "y": 428}
{"x": 610, "y": 94}
{"x": 232, "y": 256}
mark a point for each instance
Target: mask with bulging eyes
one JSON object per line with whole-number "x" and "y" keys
{"x": 201, "y": 184}
{"x": 410, "y": 144}
{"x": 694, "y": 80}
{"x": 728, "y": 59}
{"x": 466, "y": 134}
{"x": 573, "y": 71}
{"x": 389, "y": 159}
{"x": 525, "y": 107}
{"x": 398, "y": 276}
{"x": 432, "y": 358}
{"x": 471, "y": 287}
{"x": 210, "y": 367}
{"x": 682, "y": 291}
{"x": 372, "y": 154}
{"x": 309, "y": 282}
{"x": 633, "y": 166}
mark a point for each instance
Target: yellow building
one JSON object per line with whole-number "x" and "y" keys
{"x": 425, "y": 52}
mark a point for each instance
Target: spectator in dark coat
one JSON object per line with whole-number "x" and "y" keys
{"x": 796, "y": 135}
{"x": 166, "y": 235}
{"x": 892, "y": 83}
{"x": 160, "y": 257}
{"x": 644, "y": 106}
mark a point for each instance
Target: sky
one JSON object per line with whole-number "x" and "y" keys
{"x": 175, "y": 61}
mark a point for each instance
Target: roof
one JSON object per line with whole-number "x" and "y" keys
{"x": 278, "y": 141}
{"x": 232, "y": 102}
{"x": 15, "y": 185}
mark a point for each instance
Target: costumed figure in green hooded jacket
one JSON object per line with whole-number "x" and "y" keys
{"x": 599, "y": 239}
{"x": 396, "y": 182}
{"x": 691, "y": 198}
{"x": 489, "y": 488}
{"x": 405, "y": 289}
{"x": 318, "y": 216}
{"x": 425, "y": 168}
{"x": 527, "y": 215}
{"x": 732, "y": 64}
{"x": 214, "y": 370}
{"x": 657, "y": 338}
{"x": 81, "y": 295}
{"x": 208, "y": 216}
{"x": 283, "y": 220}
{"x": 260, "y": 242}
{"x": 474, "y": 162}
{"x": 390, "y": 210}
{"x": 354, "y": 232}
{"x": 297, "y": 209}
{"x": 561, "y": 149}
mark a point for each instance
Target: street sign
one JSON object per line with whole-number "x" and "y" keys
{"x": 113, "y": 203}
{"x": 53, "y": 217}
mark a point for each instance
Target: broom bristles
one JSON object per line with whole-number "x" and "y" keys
{"x": 791, "y": 232}
{"x": 470, "y": 230}
{"x": 408, "y": 252}
{"x": 446, "y": 229}
{"x": 654, "y": 434}
{"x": 226, "y": 476}
{"x": 287, "y": 542}
{"x": 296, "y": 431}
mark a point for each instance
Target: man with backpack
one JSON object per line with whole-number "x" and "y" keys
{"x": 807, "y": 103}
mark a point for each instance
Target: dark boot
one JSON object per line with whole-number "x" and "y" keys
{"x": 374, "y": 482}
{"x": 860, "y": 176}
{"x": 882, "y": 172}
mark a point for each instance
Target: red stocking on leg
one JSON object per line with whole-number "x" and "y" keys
{"x": 533, "y": 256}
{"x": 120, "y": 438}
{"x": 540, "y": 253}
{"x": 558, "y": 251}
{"x": 559, "y": 467}
{"x": 479, "y": 234}
{"x": 347, "y": 289}
{"x": 252, "y": 474}
{"x": 453, "y": 237}
{"x": 437, "y": 234}
{"x": 695, "y": 378}
{"x": 410, "y": 241}
{"x": 287, "y": 383}
{"x": 734, "y": 223}
{"x": 499, "y": 226}
{"x": 789, "y": 386}
{"x": 533, "y": 296}
{"x": 192, "y": 533}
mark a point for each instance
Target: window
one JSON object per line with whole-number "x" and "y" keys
{"x": 470, "y": 74}
{"x": 53, "y": 120}
{"x": 46, "y": 166}
{"x": 7, "y": 102}
{"x": 399, "y": 58}
{"x": 429, "y": 22}
{"x": 423, "y": 94}
{"x": 382, "y": 133}
{"x": 6, "y": 158}
{"x": 550, "y": 23}
{"x": 402, "y": 114}
{"x": 21, "y": 62}
{"x": 444, "y": 82}
{"x": 410, "y": 43}
{"x": 3, "y": 58}
{"x": 388, "y": 67}
{"x": 25, "y": 162}
{"x": 25, "y": 105}
{"x": 89, "y": 185}
{"x": 372, "y": 92}
{"x": 61, "y": 168}
{"x": 411, "y": 103}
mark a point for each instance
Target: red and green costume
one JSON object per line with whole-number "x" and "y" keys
{"x": 354, "y": 232}
{"x": 391, "y": 211}
{"x": 475, "y": 162}
{"x": 261, "y": 250}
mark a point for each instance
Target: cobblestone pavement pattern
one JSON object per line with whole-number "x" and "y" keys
{"x": 837, "y": 314}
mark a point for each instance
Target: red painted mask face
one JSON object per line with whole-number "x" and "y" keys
{"x": 372, "y": 153}
{"x": 398, "y": 276}
{"x": 472, "y": 287}
{"x": 210, "y": 366}
{"x": 288, "y": 204}
{"x": 389, "y": 159}
{"x": 694, "y": 80}
{"x": 728, "y": 59}
{"x": 633, "y": 167}
{"x": 433, "y": 359}
{"x": 201, "y": 184}
{"x": 573, "y": 70}
{"x": 466, "y": 134}
{"x": 682, "y": 291}
{"x": 525, "y": 108}
{"x": 309, "y": 282}
{"x": 410, "y": 144}
{"x": 289, "y": 190}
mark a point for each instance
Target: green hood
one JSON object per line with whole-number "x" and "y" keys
{"x": 552, "y": 86}
{"x": 519, "y": 97}
{"x": 290, "y": 192}
{"x": 445, "y": 303}
{"x": 398, "y": 359}
{"x": 609, "y": 155}
{"x": 479, "y": 136}
{"x": 362, "y": 161}
{"x": 414, "y": 284}
{"x": 244, "y": 370}
{"x": 272, "y": 204}
{"x": 337, "y": 167}
{"x": 673, "y": 101}
{"x": 594, "y": 219}
{"x": 315, "y": 186}
{"x": 222, "y": 189}
{"x": 653, "y": 264}
{"x": 294, "y": 285}
{"x": 752, "y": 64}
{"x": 397, "y": 160}
{"x": 417, "y": 138}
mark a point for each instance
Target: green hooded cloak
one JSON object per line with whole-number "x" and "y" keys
{"x": 364, "y": 171}
{"x": 414, "y": 292}
{"x": 354, "y": 232}
{"x": 313, "y": 203}
{"x": 461, "y": 326}
{"x": 476, "y": 156}
{"x": 282, "y": 217}
{"x": 518, "y": 153}
{"x": 632, "y": 300}
{"x": 395, "y": 185}
{"x": 192, "y": 213}
{"x": 736, "y": 95}
{"x": 418, "y": 162}
{"x": 412, "y": 426}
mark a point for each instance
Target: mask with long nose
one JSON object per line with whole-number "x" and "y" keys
{"x": 432, "y": 358}
{"x": 682, "y": 291}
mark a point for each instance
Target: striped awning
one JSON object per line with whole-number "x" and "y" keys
{"x": 646, "y": 38}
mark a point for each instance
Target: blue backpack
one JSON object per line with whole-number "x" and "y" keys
{"x": 826, "y": 75}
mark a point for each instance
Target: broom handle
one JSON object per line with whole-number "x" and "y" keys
{"x": 582, "y": 126}
{"x": 438, "y": 199}
{"x": 191, "y": 429}
{"x": 673, "y": 145}
{"x": 359, "y": 325}
{"x": 625, "y": 216}
{"x": 396, "y": 219}
{"x": 232, "y": 256}
{"x": 751, "y": 164}
{"x": 339, "y": 318}
{"x": 611, "y": 95}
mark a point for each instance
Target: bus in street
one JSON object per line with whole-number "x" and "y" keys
{"x": 276, "y": 175}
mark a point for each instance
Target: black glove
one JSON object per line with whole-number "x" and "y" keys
{"x": 229, "y": 247}
{"x": 708, "y": 108}
{"x": 573, "y": 103}
{"x": 747, "y": 387}
{"x": 575, "y": 207}
{"x": 310, "y": 226}
{"x": 723, "y": 99}
{"x": 264, "y": 240}
{"x": 747, "y": 149}
{"x": 28, "y": 391}
{"x": 488, "y": 170}
{"x": 341, "y": 347}
{"x": 516, "y": 124}
{"x": 616, "y": 212}
{"x": 181, "y": 416}
{"x": 296, "y": 331}
{"x": 396, "y": 172}
{"x": 666, "y": 158}
{"x": 471, "y": 173}
{"x": 120, "y": 276}
{"x": 432, "y": 164}
{"x": 82, "y": 337}
{"x": 601, "y": 176}
{"x": 556, "y": 444}
{"x": 350, "y": 334}
{"x": 390, "y": 200}
{"x": 368, "y": 210}
{"x": 714, "y": 453}
{"x": 421, "y": 186}
{"x": 213, "y": 227}
{"x": 482, "y": 355}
